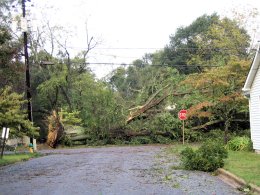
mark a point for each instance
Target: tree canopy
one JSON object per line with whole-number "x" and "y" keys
{"x": 207, "y": 42}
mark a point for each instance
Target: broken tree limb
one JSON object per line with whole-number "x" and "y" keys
{"x": 144, "y": 108}
{"x": 204, "y": 126}
{"x": 155, "y": 94}
{"x": 151, "y": 102}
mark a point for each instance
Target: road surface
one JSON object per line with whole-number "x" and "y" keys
{"x": 106, "y": 171}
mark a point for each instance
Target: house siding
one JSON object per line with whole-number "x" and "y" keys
{"x": 255, "y": 111}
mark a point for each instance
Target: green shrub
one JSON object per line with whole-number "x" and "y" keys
{"x": 121, "y": 142}
{"x": 161, "y": 139}
{"x": 215, "y": 134}
{"x": 240, "y": 144}
{"x": 65, "y": 140}
{"x": 209, "y": 157}
{"x": 141, "y": 140}
{"x": 193, "y": 136}
{"x": 166, "y": 122}
{"x": 244, "y": 132}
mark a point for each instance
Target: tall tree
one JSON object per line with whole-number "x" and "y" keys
{"x": 208, "y": 41}
{"x": 11, "y": 68}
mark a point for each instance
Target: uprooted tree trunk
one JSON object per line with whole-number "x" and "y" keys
{"x": 55, "y": 129}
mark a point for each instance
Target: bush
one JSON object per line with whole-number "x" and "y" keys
{"x": 141, "y": 140}
{"x": 215, "y": 134}
{"x": 165, "y": 122}
{"x": 240, "y": 144}
{"x": 121, "y": 142}
{"x": 193, "y": 136}
{"x": 161, "y": 139}
{"x": 209, "y": 157}
{"x": 65, "y": 140}
{"x": 244, "y": 132}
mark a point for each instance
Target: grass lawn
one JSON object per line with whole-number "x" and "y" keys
{"x": 13, "y": 158}
{"x": 245, "y": 165}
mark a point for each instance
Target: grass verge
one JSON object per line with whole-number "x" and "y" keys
{"x": 245, "y": 165}
{"x": 13, "y": 158}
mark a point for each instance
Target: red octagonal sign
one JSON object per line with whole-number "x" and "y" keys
{"x": 182, "y": 115}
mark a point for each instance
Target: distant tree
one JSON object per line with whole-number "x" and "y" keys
{"x": 209, "y": 40}
{"x": 5, "y": 11}
{"x": 11, "y": 68}
{"x": 224, "y": 40}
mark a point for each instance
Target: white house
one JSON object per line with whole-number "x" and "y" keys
{"x": 251, "y": 90}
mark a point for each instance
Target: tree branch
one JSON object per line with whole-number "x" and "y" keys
{"x": 204, "y": 126}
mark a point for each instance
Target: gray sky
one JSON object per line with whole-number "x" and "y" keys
{"x": 127, "y": 29}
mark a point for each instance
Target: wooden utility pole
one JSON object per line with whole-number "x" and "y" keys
{"x": 27, "y": 69}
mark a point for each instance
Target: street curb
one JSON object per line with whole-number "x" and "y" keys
{"x": 236, "y": 181}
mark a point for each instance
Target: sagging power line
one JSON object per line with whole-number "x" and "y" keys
{"x": 131, "y": 64}
{"x": 156, "y": 48}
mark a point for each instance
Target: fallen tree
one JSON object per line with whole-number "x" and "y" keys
{"x": 150, "y": 103}
{"x": 56, "y": 129}
{"x": 153, "y": 101}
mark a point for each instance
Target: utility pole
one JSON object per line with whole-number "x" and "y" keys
{"x": 27, "y": 70}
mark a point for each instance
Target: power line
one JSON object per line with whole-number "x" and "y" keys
{"x": 130, "y": 48}
{"x": 131, "y": 64}
{"x": 156, "y": 48}
{"x": 132, "y": 57}
{"x": 113, "y": 56}
{"x": 118, "y": 48}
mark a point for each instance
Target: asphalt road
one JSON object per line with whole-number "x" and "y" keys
{"x": 104, "y": 171}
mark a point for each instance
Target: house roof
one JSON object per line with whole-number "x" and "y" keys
{"x": 252, "y": 73}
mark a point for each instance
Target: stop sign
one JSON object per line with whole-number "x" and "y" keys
{"x": 182, "y": 115}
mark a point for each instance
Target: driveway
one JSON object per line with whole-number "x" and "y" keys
{"x": 108, "y": 170}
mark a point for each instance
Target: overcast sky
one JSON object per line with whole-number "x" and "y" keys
{"x": 127, "y": 29}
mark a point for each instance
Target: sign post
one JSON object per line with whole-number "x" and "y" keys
{"x": 5, "y": 135}
{"x": 183, "y": 132}
{"x": 182, "y": 116}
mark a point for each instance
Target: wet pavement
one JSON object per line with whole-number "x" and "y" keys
{"x": 110, "y": 170}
